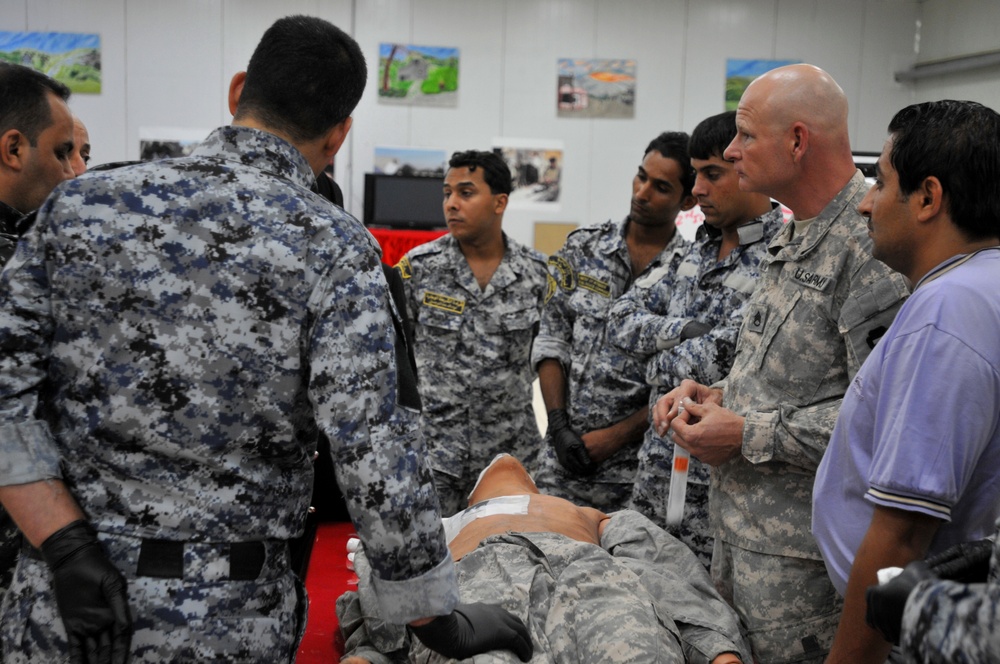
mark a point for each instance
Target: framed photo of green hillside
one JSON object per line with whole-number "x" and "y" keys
{"x": 69, "y": 57}
{"x": 418, "y": 75}
{"x": 740, "y": 73}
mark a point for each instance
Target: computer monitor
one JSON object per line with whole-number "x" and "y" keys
{"x": 403, "y": 201}
{"x": 865, "y": 161}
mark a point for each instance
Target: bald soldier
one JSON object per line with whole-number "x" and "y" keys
{"x": 821, "y": 304}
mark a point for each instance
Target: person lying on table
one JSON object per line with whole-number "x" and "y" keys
{"x": 591, "y": 587}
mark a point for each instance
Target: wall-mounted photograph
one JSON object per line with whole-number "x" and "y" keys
{"x": 536, "y": 167}
{"x": 418, "y": 75}
{"x": 740, "y": 73}
{"x": 424, "y": 162}
{"x": 71, "y": 58}
{"x": 167, "y": 142}
{"x": 596, "y": 88}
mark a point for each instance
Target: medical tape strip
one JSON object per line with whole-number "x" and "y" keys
{"x": 503, "y": 505}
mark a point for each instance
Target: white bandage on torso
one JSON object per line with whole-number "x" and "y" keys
{"x": 502, "y": 505}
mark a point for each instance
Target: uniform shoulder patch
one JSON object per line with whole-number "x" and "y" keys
{"x": 567, "y": 277}
{"x": 550, "y": 288}
{"x": 404, "y": 268}
{"x": 756, "y": 319}
{"x": 444, "y": 302}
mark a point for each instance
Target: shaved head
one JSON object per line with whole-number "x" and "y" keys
{"x": 792, "y": 141}
{"x": 799, "y": 93}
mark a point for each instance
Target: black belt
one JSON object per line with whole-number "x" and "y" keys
{"x": 164, "y": 559}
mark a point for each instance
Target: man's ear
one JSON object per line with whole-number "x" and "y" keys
{"x": 235, "y": 90}
{"x": 336, "y": 136}
{"x": 501, "y": 203}
{"x": 799, "y": 141}
{"x": 12, "y": 144}
{"x": 689, "y": 202}
{"x": 929, "y": 198}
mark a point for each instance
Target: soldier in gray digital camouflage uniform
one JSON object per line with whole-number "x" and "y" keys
{"x": 820, "y": 305}
{"x": 36, "y": 142}
{"x": 175, "y": 336}
{"x": 596, "y": 395}
{"x": 940, "y": 618}
{"x": 684, "y": 323}
{"x": 475, "y": 298}
{"x": 34, "y": 158}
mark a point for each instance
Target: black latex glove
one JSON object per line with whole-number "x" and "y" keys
{"x": 91, "y": 595}
{"x": 570, "y": 448}
{"x": 967, "y": 562}
{"x": 695, "y": 329}
{"x": 472, "y": 629}
{"x": 887, "y": 601}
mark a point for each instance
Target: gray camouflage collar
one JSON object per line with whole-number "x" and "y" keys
{"x": 260, "y": 149}
{"x": 807, "y": 241}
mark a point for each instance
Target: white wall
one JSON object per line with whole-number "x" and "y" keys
{"x": 168, "y": 64}
{"x": 953, "y": 28}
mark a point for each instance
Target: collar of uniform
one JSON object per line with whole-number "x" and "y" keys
{"x": 8, "y": 219}
{"x": 502, "y": 277}
{"x": 762, "y": 227}
{"x": 804, "y": 243}
{"x": 505, "y": 274}
{"x": 612, "y": 240}
{"x": 259, "y": 149}
{"x": 677, "y": 247}
{"x": 750, "y": 232}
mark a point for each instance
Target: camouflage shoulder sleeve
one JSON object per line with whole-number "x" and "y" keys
{"x": 376, "y": 445}
{"x": 28, "y": 452}
{"x": 946, "y": 621}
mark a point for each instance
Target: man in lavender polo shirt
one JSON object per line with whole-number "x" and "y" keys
{"x": 912, "y": 465}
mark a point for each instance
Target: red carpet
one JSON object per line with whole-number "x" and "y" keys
{"x": 327, "y": 579}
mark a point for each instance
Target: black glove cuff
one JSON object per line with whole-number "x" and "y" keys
{"x": 62, "y": 544}
{"x": 558, "y": 419}
{"x": 436, "y": 633}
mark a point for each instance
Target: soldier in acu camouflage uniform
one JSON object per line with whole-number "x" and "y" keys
{"x": 475, "y": 297}
{"x": 684, "y": 323}
{"x": 595, "y": 394}
{"x": 175, "y": 336}
{"x": 820, "y": 305}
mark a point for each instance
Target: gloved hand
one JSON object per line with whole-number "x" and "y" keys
{"x": 695, "y": 329}
{"x": 570, "y": 448}
{"x": 91, "y": 595}
{"x": 887, "y": 601}
{"x": 967, "y": 562}
{"x": 472, "y": 629}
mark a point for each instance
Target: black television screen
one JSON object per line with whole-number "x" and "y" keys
{"x": 403, "y": 201}
{"x": 866, "y": 162}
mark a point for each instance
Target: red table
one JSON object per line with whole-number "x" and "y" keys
{"x": 395, "y": 242}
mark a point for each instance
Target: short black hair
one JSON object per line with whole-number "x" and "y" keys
{"x": 958, "y": 142}
{"x": 305, "y": 76}
{"x": 496, "y": 173}
{"x": 674, "y": 145}
{"x": 712, "y": 136}
{"x": 24, "y": 100}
